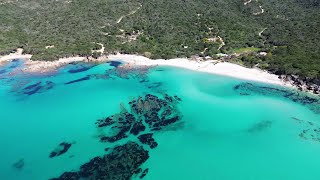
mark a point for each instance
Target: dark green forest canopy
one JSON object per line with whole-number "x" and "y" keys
{"x": 287, "y": 29}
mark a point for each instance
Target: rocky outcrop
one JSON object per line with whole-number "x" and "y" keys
{"x": 61, "y": 149}
{"x": 149, "y": 112}
{"x": 139, "y": 120}
{"x": 310, "y": 101}
{"x": 303, "y": 83}
{"x": 122, "y": 163}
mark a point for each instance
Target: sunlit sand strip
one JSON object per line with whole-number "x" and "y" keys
{"x": 16, "y": 55}
{"x": 210, "y": 66}
{"x": 247, "y": 2}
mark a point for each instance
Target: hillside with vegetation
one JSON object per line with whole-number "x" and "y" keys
{"x": 287, "y": 31}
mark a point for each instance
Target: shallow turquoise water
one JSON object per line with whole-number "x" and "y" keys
{"x": 226, "y": 132}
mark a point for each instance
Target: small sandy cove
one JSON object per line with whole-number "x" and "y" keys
{"x": 16, "y": 55}
{"x": 209, "y": 66}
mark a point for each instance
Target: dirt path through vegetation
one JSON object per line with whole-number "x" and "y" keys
{"x": 247, "y": 2}
{"x": 131, "y": 13}
{"x": 100, "y": 50}
{"x": 261, "y": 12}
{"x": 260, "y": 33}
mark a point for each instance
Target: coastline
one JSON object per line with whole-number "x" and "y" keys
{"x": 209, "y": 66}
{"x": 16, "y": 55}
{"x": 49, "y": 66}
{"x": 42, "y": 67}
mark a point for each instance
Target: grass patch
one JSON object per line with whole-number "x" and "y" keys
{"x": 245, "y": 50}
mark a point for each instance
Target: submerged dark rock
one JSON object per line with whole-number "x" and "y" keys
{"x": 115, "y": 63}
{"x": 150, "y": 111}
{"x": 10, "y": 66}
{"x": 177, "y": 98}
{"x": 15, "y": 63}
{"x": 144, "y": 173}
{"x": 308, "y": 100}
{"x": 115, "y": 138}
{"x": 123, "y": 126}
{"x": 32, "y": 86}
{"x": 80, "y": 67}
{"x": 244, "y": 94}
{"x": 128, "y": 71}
{"x": 61, "y": 149}
{"x": 310, "y": 131}
{"x": 68, "y": 176}
{"x": 122, "y": 163}
{"x": 137, "y": 128}
{"x": 19, "y": 164}
{"x": 122, "y": 71}
{"x": 148, "y": 140}
{"x": 105, "y": 122}
{"x": 78, "y": 80}
{"x": 144, "y": 81}
{"x": 38, "y": 87}
{"x": 154, "y": 85}
{"x": 3, "y": 71}
{"x": 260, "y": 126}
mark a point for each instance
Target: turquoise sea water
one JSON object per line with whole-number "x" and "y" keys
{"x": 228, "y": 129}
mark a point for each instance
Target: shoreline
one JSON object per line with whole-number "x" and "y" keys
{"x": 209, "y": 66}
{"x": 34, "y": 66}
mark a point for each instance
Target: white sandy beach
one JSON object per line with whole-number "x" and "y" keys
{"x": 16, "y": 55}
{"x": 210, "y": 66}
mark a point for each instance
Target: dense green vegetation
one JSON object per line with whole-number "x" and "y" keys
{"x": 288, "y": 30}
